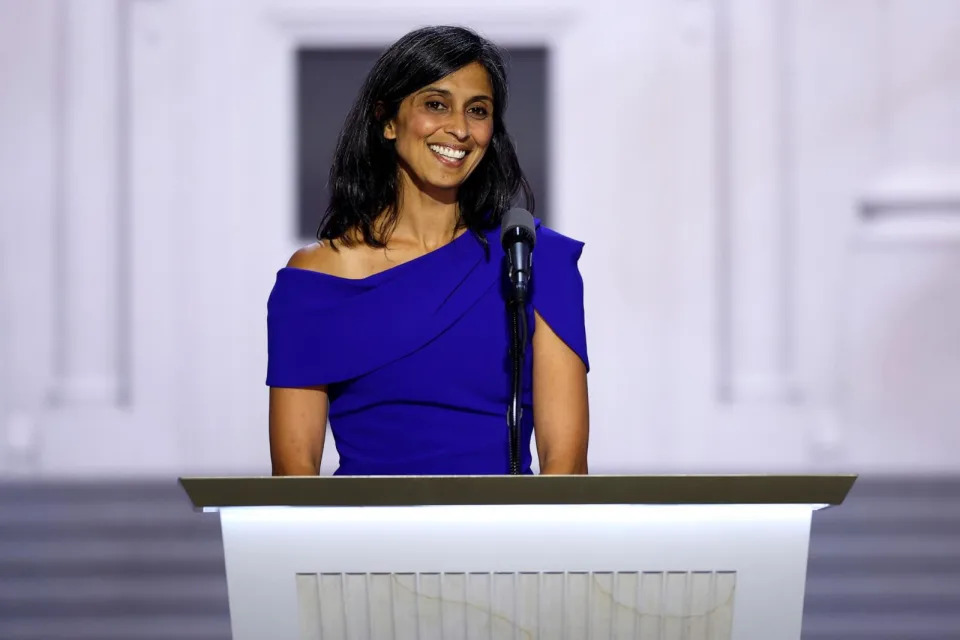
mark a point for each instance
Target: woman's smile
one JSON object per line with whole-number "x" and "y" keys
{"x": 449, "y": 156}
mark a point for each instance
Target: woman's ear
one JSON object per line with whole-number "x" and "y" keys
{"x": 389, "y": 132}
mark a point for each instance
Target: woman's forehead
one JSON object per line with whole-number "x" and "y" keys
{"x": 472, "y": 77}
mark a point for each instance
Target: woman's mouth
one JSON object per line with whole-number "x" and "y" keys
{"x": 448, "y": 155}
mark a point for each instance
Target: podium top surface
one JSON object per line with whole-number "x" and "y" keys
{"x": 409, "y": 491}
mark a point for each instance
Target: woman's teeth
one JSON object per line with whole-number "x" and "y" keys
{"x": 447, "y": 152}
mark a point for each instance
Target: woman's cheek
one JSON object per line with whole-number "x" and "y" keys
{"x": 484, "y": 135}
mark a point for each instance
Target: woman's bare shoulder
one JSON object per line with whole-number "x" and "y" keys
{"x": 318, "y": 256}
{"x": 341, "y": 261}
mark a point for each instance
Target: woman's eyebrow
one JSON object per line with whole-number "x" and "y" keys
{"x": 446, "y": 93}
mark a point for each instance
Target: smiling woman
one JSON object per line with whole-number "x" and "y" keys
{"x": 393, "y": 324}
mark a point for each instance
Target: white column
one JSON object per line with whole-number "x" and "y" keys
{"x": 88, "y": 231}
{"x": 28, "y": 46}
{"x": 756, "y": 336}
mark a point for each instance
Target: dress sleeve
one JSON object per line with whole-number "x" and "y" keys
{"x": 557, "y": 288}
{"x": 298, "y": 337}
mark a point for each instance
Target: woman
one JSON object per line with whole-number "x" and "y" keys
{"x": 395, "y": 320}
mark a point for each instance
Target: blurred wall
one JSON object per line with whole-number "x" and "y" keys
{"x": 769, "y": 193}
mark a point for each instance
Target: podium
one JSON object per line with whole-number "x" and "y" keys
{"x": 517, "y": 557}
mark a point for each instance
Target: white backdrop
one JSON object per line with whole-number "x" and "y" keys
{"x": 769, "y": 192}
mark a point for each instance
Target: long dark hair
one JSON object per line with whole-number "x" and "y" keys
{"x": 363, "y": 178}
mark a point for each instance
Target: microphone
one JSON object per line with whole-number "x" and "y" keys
{"x": 518, "y": 236}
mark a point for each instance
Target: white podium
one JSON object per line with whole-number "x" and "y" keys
{"x": 511, "y": 557}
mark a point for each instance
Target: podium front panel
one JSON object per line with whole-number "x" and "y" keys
{"x": 670, "y": 572}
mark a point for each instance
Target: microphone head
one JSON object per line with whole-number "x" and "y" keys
{"x": 516, "y": 223}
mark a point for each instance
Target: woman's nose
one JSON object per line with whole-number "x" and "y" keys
{"x": 458, "y": 126}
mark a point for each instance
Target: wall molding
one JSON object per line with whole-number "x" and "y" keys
{"x": 912, "y": 205}
{"x": 336, "y": 26}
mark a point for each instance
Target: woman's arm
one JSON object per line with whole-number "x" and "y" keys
{"x": 561, "y": 413}
{"x": 298, "y": 424}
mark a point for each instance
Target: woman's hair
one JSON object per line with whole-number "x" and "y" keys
{"x": 364, "y": 176}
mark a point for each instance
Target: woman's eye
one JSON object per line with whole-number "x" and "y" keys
{"x": 479, "y": 111}
{"x": 435, "y": 105}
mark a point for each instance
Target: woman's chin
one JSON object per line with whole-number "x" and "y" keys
{"x": 441, "y": 186}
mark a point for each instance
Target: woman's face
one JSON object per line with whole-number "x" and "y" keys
{"x": 442, "y": 131}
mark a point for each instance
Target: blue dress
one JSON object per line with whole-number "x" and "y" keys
{"x": 416, "y": 357}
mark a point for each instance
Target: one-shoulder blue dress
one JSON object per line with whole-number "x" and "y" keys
{"x": 416, "y": 358}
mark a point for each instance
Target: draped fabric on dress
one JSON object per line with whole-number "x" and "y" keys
{"x": 416, "y": 358}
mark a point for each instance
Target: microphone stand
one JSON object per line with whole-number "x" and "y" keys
{"x": 518, "y": 348}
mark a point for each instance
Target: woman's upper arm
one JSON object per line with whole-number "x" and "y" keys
{"x": 298, "y": 415}
{"x": 561, "y": 411}
{"x": 298, "y": 424}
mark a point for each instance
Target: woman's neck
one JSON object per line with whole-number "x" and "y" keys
{"x": 428, "y": 220}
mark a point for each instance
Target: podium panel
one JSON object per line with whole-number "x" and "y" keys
{"x": 557, "y": 571}
{"x": 691, "y": 605}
